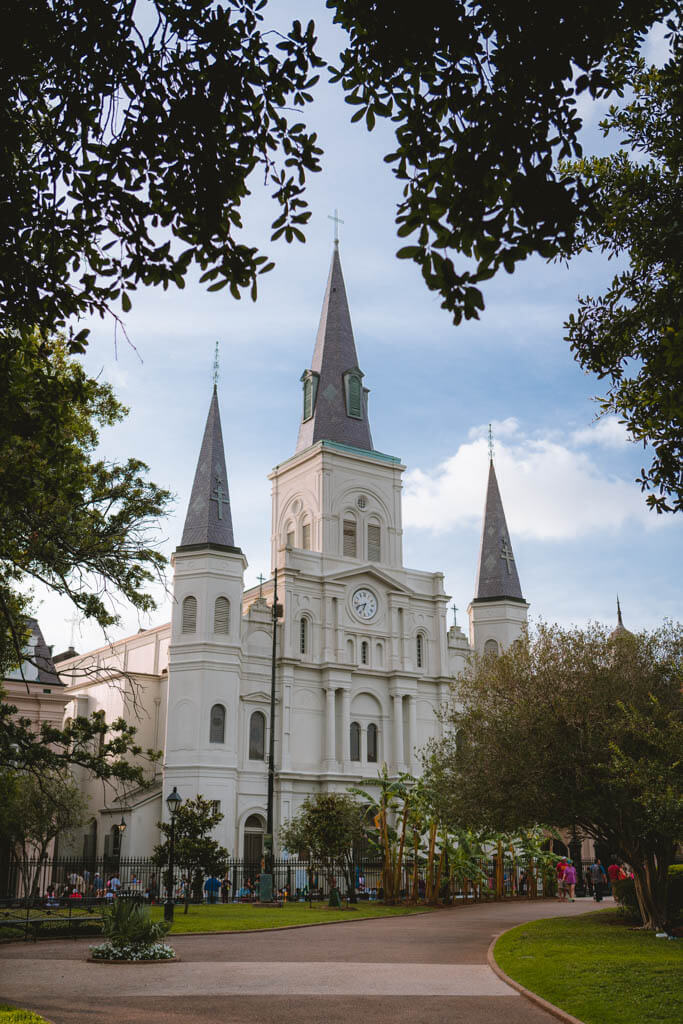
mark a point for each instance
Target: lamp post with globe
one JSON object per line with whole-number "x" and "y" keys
{"x": 173, "y": 802}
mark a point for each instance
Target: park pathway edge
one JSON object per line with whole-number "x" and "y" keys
{"x": 527, "y": 993}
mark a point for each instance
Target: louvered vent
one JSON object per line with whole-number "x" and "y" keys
{"x": 189, "y": 623}
{"x": 374, "y": 543}
{"x": 221, "y": 619}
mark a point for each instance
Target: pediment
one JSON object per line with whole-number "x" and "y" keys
{"x": 257, "y": 697}
{"x": 370, "y": 569}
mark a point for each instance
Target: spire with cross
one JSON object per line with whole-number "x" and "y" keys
{"x": 490, "y": 444}
{"x": 208, "y": 519}
{"x": 216, "y": 368}
{"x": 497, "y": 577}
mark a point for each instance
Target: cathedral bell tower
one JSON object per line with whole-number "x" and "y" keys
{"x": 205, "y": 655}
{"x": 498, "y": 611}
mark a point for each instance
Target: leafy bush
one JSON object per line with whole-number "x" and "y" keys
{"x": 127, "y": 923}
{"x": 148, "y": 951}
{"x": 626, "y": 894}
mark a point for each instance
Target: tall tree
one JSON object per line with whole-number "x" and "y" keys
{"x": 327, "y": 826}
{"x": 632, "y": 336}
{"x": 578, "y": 729}
{"x": 197, "y": 853}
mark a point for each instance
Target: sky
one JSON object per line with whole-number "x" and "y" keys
{"x": 580, "y": 529}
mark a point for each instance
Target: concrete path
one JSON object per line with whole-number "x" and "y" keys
{"x": 427, "y": 969}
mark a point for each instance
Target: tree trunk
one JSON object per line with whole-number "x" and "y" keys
{"x": 416, "y": 874}
{"x": 651, "y": 880}
{"x": 399, "y": 862}
{"x": 430, "y": 861}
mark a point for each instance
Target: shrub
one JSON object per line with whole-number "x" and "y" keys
{"x": 126, "y": 923}
{"x": 628, "y": 904}
{"x": 149, "y": 951}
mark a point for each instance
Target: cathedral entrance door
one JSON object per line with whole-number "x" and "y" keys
{"x": 254, "y": 831}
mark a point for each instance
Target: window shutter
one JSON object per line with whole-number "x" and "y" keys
{"x": 290, "y": 539}
{"x": 306, "y": 537}
{"x": 257, "y": 736}
{"x": 221, "y": 619}
{"x": 350, "y": 538}
{"x": 355, "y": 741}
{"x": 303, "y": 636}
{"x": 372, "y": 743}
{"x": 217, "y": 724}
{"x": 355, "y": 397}
{"x": 308, "y": 398}
{"x": 374, "y": 543}
{"x": 364, "y": 652}
{"x": 189, "y": 622}
{"x": 418, "y": 650}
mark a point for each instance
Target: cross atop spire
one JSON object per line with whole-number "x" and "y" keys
{"x": 216, "y": 371}
{"x": 490, "y": 444}
{"x": 337, "y": 221}
{"x": 334, "y": 399}
{"x": 497, "y": 577}
{"x": 209, "y": 521}
{"x": 619, "y": 619}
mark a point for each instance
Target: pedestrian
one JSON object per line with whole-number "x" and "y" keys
{"x": 615, "y": 874}
{"x": 114, "y": 884}
{"x": 211, "y": 888}
{"x": 596, "y": 875}
{"x": 561, "y": 893}
{"x": 152, "y": 889}
{"x": 225, "y": 888}
{"x": 569, "y": 879}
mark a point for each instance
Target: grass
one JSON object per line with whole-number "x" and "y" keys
{"x": 597, "y": 968}
{"x": 239, "y": 917}
{"x": 13, "y": 1015}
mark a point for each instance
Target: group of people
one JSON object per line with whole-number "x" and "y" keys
{"x": 599, "y": 881}
{"x": 78, "y": 886}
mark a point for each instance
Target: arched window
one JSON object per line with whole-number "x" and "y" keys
{"x": 189, "y": 620}
{"x": 419, "y": 650}
{"x": 355, "y": 741}
{"x": 364, "y": 652}
{"x": 374, "y": 542}
{"x": 254, "y": 829}
{"x": 115, "y": 844}
{"x": 221, "y": 616}
{"x": 217, "y": 726}
{"x": 308, "y": 398}
{"x": 350, "y": 538}
{"x": 379, "y": 655}
{"x": 257, "y": 736}
{"x": 372, "y": 743}
{"x": 303, "y": 636}
{"x": 349, "y": 652}
{"x": 491, "y": 647}
{"x": 290, "y": 539}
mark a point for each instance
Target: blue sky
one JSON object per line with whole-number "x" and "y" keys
{"x": 579, "y": 525}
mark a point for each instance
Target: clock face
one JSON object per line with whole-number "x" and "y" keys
{"x": 364, "y": 604}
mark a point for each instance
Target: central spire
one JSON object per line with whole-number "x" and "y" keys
{"x": 497, "y": 574}
{"x": 335, "y": 401}
{"x": 209, "y": 521}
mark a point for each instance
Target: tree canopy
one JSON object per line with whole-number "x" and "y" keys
{"x": 577, "y": 729}
{"x": 632, "y": 336}
{"x": 196, "y": 851}
{"x": 327, "y": 826}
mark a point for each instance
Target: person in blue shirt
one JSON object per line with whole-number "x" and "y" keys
{"x": 212, "y": 888}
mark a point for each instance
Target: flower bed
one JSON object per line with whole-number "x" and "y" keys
{"x": 111, "y": 953}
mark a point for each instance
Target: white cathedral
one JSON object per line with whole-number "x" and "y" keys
{"x": 364, "y": 655}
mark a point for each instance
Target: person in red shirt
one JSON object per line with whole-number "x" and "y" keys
{"x": 615, "y": 873}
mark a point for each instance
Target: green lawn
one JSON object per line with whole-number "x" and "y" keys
{"x": 11, "y": 1015}
{"x": 597, "y": 968}
{"x": 238, "y": 917}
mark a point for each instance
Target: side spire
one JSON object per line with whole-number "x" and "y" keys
{"x": 335, "y": 401}
{"x": 208, "y": 519}
{"x": 497, "y": 572}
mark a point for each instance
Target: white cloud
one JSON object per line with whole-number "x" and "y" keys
{"x": 550, "y": 491}
{"x": 607, "y": 432}
{"x": 500, "y": 428}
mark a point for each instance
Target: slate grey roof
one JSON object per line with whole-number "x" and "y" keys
{"x": 497, "y": 573}
{"x": 335, "y": 353}
{"x": 41, "y": 668}
{"x": 208, "y": 519}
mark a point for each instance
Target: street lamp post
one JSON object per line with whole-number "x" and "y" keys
{"x": 173, "y": 802}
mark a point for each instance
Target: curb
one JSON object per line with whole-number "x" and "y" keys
{"x": 543, "y": 1004}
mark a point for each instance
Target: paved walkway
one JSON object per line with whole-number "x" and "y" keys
{"x": 427, "y": 969}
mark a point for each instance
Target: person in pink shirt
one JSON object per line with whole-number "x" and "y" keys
{"x": 569, "y": 878}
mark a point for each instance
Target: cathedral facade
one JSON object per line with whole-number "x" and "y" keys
{"x": 363, "y": 655}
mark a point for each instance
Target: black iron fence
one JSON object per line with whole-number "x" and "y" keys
{"x": 66, "y": 882}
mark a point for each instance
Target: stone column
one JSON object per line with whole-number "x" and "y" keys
{"x": 346, "y": 727}
{"x": 412, "y": 729}
{"x": 330, "y": 731}
{"x": 398, "y": 732}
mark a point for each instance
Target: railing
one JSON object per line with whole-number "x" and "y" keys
{"x": 68, "y": 880}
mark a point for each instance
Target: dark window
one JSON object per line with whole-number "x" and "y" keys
{"x": 115, "y": 841}
{"x": 491, "y": 647}
{"x": 308, "y": 398}
{"x": 350, "y": 538}
{"x": 217, "y": 728}
{"x": 221, "y": 616}
{"x": 374, "y": 543}
{"x": 306, "y": 537}
{"x": 189, "y": 623}
{"x": 364, "y": 652}
{"x": 419, "y": 650}
{"x": 372, "y": 743}
{"x": 257, "y": 736}
{"x": 355, "y": 741}
{"x": 303, "y": 636}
